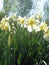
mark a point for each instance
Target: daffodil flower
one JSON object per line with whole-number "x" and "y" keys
{"x": 5, "y": 26}
{"x": 21, "y": 20}
{"x": 46, "y": 34}
{"x": 4, "y": 20}
{"x": 33, "y": 24}
{"x": 31, "y": 21}
{"x": 36, "y": 28}
{"x": 39, "y": 16}
{"x": 14, "y": 17}
{"x": 29, "y": 28}
{"x": 43, "y": 26}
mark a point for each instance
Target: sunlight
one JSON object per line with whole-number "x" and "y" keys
{"x": 1, "y": 4}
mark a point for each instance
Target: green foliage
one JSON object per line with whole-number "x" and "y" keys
{"x": 22, "y": 47}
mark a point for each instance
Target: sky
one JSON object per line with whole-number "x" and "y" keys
{"x": 39, "y": 5}
{"x": 1, "y": 4}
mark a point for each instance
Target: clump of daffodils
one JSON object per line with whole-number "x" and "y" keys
{"x": 31, "y": 24}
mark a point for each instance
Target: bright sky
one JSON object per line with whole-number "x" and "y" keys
{"x": 1, "y": 4}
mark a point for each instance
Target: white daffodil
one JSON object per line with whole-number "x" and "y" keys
{"x": 21, "y": 20}
{"x": 46, "y": 34}
{"x": 5, "y": 26}
{"x": 14, "y": 17}
{"x": 37, "y": 22}
{"x": 33, "y": 25}
{"x": 36, "y": 28}
{"x": 43, "y": 26}
{"x": 38, "y": 16}
{"x": 31, "y": 21}
{"x": 46, "y": 37}
{"x": 25, "y": 23}
{"x": 5, "y": 19}
{"x": 29, "y": 28}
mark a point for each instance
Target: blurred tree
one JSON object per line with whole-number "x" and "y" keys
{"x": 2, "y": 14}
{"x": 46, "y": 12}
{"x": 20, "y": 7}
{"x": 24, "y": 7}
{"x": 6, "y": 6}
